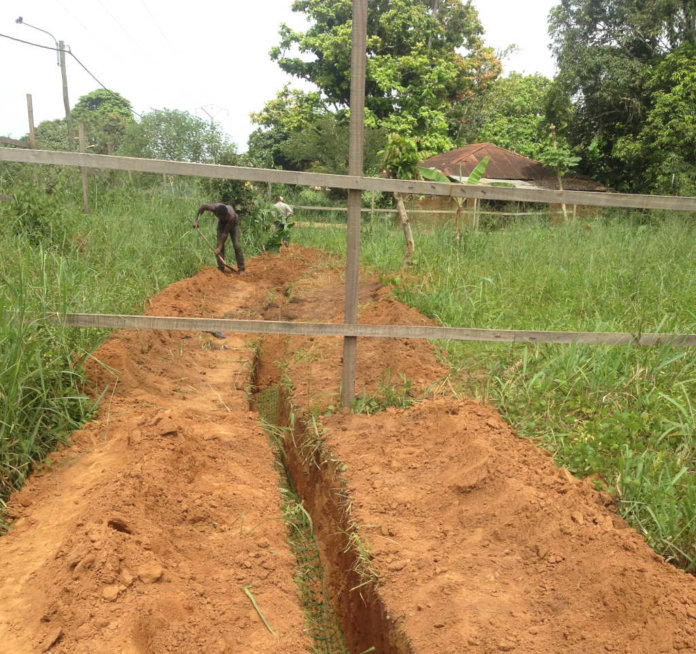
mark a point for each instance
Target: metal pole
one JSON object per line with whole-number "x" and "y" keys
{"x": 60, "y": 47}
{"x": 355, "y": 167}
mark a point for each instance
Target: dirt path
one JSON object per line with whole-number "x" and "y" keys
{"x": 142, "y": 536}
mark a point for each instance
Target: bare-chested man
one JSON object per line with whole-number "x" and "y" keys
{"x": 228, "y": 223}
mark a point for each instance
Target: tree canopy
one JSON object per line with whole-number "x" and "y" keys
{"x": 289, "y": 112}
{"x": 609, "y": 56}
{"x": 665, "y": 148}
{"x": 176, "y": 136}
{"x": 425, "y": 60}
{"x": 512, "y": 115}
{"x": 107, "y": 116}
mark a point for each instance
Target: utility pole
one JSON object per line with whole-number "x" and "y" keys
{"x": 60, "y": 47}
{"x": 66, "y": 101}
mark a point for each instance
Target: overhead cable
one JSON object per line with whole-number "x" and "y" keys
{"x": 74, "y": 56}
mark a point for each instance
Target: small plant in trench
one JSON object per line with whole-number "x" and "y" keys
{"x": 276, "y": 433}
{"x": 362, "y": 566}
{"x": 311, "y": 447}
{"x": 386, "y": 396}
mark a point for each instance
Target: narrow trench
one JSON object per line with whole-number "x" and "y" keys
{"x": 343, "y": 609}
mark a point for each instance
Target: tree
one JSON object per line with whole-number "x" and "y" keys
{"x": 323, "y": 146}
{"x": 289, "y": 112}
{"x": 107, "y": 117}
{"x": 666, "y": 146}
{"x": 475, "y": 177}
{"x": 52, "y": 135}
{"x": 425, "y": 59}
{"x": 176, "y": 136}
{"x": 400, "y": 159}
{"x": 512, "y": 115}
{"x": 561, "y": 159}
{"x": 606, "y": 54}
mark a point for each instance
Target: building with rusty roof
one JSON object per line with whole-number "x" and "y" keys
{"x": 507, "y": 167}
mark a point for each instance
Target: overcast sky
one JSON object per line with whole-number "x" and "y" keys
{"x": 208, "y": 57}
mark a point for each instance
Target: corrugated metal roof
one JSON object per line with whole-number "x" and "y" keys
{"x": 503, "y": 165}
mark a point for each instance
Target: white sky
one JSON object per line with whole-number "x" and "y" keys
{"x": 208, "y": 55}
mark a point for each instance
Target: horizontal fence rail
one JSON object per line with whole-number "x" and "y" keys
{"x": 619, "y": 200}
{"x": 113, "y": 321}
{"x": 4, "y": 140}
{"x": 428, "y": 212}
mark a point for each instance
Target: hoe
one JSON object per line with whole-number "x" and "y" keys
{"x": 212, "y": 249}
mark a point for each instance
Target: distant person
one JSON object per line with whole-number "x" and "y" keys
{"x": 284, "y": 212}
{"x": 228, "y": 223}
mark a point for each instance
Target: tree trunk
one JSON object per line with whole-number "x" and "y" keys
{"x": 563, "y": 205}
{"x": 406, "y": 226}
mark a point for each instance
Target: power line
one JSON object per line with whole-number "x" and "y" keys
{"x": 74, "y": 56}
{"x": 38, "y": 45}
{"x": 98, "y": 82}
{"x": 123, "y": 29}
{"x": 156, "y": 24}
{"x": 75, "y": 18}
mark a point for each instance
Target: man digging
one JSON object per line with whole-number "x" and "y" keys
{"x": 228, "y": 223}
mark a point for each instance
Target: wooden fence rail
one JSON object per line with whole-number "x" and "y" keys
{"x": 113, "y": 321}
{"x": 4, "y": 140}
{"x": 350, "y": 182}
{"x": 350, "y": 330}
{"x": 432, "y": 212}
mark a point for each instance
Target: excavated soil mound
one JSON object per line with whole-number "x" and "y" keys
{"x": 482, "y": 544}
{"x": 155, "y": 528}
{"x": 143, "y": 535}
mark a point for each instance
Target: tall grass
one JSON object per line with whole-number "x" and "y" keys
{"x": 624, "y": 415}
{"x": 55, "y": 258}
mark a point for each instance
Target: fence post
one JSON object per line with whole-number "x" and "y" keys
{"x": 355, "y": 166}
{"x": 83, "y": 170}
{"x": 30, "y": 112}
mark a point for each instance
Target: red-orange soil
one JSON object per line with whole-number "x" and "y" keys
{"x": 143, "y": 534}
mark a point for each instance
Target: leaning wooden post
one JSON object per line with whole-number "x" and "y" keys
{"x": 32, "y": 133}
{"x": 406, "y": 227}
{"x": 355, "y": 167}
{"x": 66, "y": 100}
{"x": 83, "y": 170}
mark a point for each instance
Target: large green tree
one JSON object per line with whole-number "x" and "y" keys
{"x": 107, "y": 117}
{"x": 177, "y": 136}
{"x": 52, "y": 135}
{"x": 291, "y": 111}
{"x": 665, "y": 148}
{"x": 425, "y": 59}
{"x": 607, "y": 53}
{"x": 512, "y": 115}
{"x": 323, "y": 146}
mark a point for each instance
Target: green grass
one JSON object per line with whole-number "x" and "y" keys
{"x": 55, "y": 258}
{"x": 624, "y": 415}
